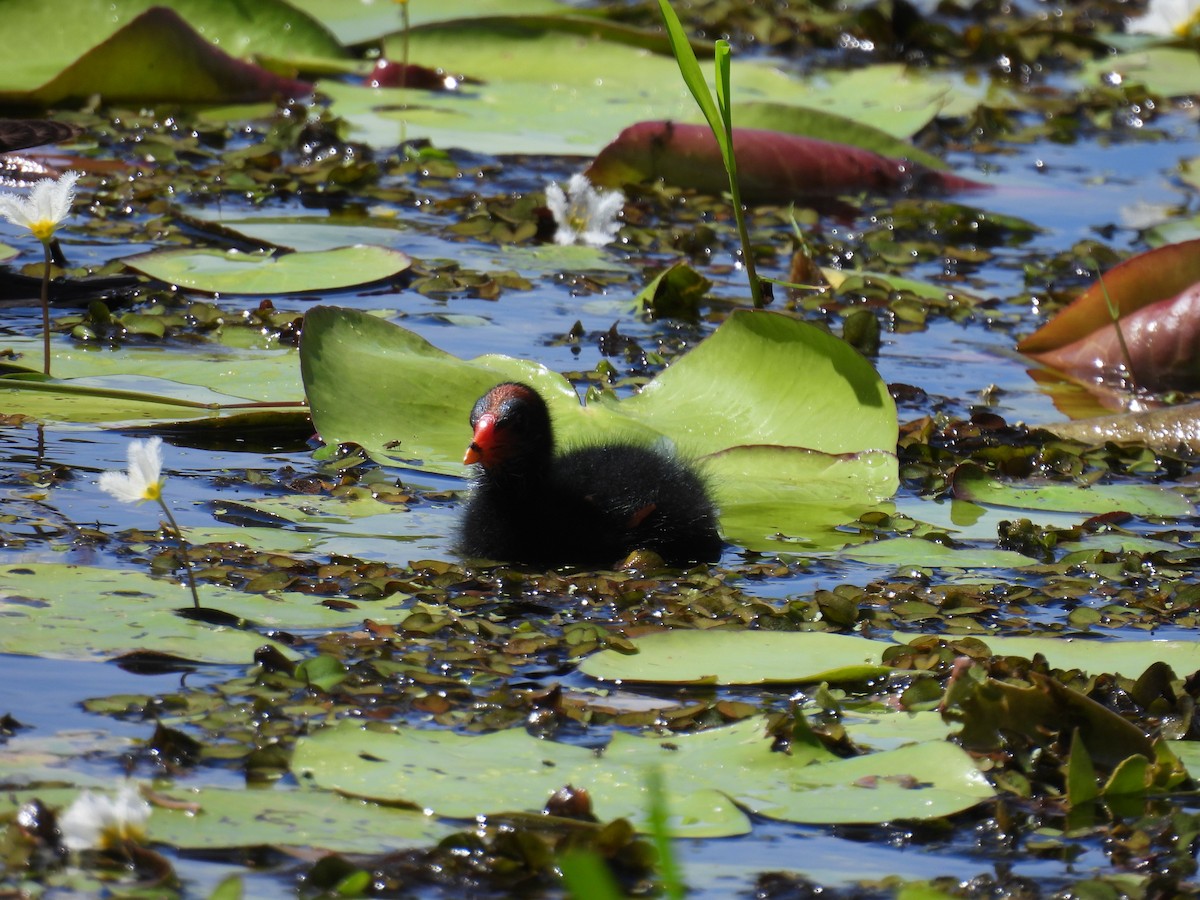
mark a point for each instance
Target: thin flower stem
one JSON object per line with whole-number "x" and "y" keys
{"x": 46, "y": 308}
{"x": 183, "y": 550}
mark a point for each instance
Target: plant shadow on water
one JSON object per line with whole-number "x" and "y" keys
{"x": 364, "y": 616}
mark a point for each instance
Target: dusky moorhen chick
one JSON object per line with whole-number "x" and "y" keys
{"x": 590, "y": 505}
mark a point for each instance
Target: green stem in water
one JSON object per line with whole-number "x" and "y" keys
{"x": 183, "y": 550}
{"x": 1114, "y": 313}
{"x": 46, "y": 308}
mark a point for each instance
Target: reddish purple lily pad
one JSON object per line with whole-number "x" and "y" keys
{"x": 773, "y": 166}
{"x": 1158, "y": 296}
{"x": 391, "y": 74}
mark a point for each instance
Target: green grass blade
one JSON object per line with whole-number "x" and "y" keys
{"x": 587, "y": 877}
{"x": 660, "y": 833}
{"x": 689, "y": 68}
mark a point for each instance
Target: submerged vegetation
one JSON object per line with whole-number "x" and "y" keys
{"x": 954, "y": 454}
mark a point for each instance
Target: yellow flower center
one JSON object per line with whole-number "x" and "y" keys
{"x": 154, "y": 491}
{"x": 1183, "y": 29}
{"x": 43, "y": 229}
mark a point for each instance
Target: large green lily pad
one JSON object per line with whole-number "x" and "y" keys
{"x": 702, "y": 772}
{"x": 573, "y": 93}
{"x": 140, "y": 49}
{"x": 771, "y": 401}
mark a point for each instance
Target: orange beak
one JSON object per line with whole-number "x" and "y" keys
{"x": 484, "y": 440}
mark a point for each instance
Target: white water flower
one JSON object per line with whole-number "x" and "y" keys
{"x": 584, "y": 214}
{"x": 47, "y": 205}
{"x": 98, "y": 821}
{"x": 1168, "y": 18}
{"x": 143, "y": 480}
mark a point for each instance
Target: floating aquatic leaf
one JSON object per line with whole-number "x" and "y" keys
{"x": 1163, "y": 429}
{"x": 97, "y": 50}
{"x": 600, "y": 87}
{"x": 211, "y": 818}
{"x": 918, "y": 553}
{"x": 234, "y": 272}
{"x": 773, "y": 167}
{"x": 1157, "y": 294}
{"x": 741, "y": 657}
{"x": 1167, "y": 71}
{"x": 972, "y": 482}
{"x": 762, "y": 379}
{"x": 703, "y": 773}
{"x": 65, "y": 611}
{"x": 720, "y": 656}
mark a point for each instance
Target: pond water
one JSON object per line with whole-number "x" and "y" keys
{"x": 1092, "y": 188}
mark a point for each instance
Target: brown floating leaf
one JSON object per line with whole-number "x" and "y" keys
{"x": 17, "y": 134}
{"x": 773, "y": 166}
{"x": 991, "y": 710}
{"x": 1158, "y": 296}
{"x": 1161, "y": 429}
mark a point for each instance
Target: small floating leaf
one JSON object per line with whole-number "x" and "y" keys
{"x": 972, "y": 483}
{"x": 234, "y": 272}
{"x": 741, "y": 657}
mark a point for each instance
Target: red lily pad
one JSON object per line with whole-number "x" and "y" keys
{"x": 773, "y": 166}
{"x": 389, "y": 73}
{"x": 1158, "y": 297}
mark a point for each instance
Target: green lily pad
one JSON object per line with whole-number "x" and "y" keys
{"x": 362, "y": 527}
{"x": 306, "y": 233}
{"x": 741, "y": 657}
{"x": 214, "y": 818}
{"x": 971, "y": 482}
{"x": 842, "y": 278}
{"x": 1169, "y": 71}
{"x": 703, "y": 772}
{"x": 769, "y": 657}
{"x": 810, "y": 494}
{"x": 97, "y": 385}
{"x": 1128, "y": 658}
{"x": 358, "y": 21}
{"x": 234, "y": 272}
{"x": 912, "y": 552}
{"x": 597, "y": 88}
{"x": 763, "y": 383}
{"x": 226, "y": 372}
{"x": 64, "y": 611}
{"x": 77, "y": 50}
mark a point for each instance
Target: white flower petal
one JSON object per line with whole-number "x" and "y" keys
{"x": 48, "y": 204}
{"x": 82, "y": 823}
{"x": 583, "y": 214}
{"x": 143, "y": 479}
{"x": 1166, "y": 18}
{"x": 95, "y": 821}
